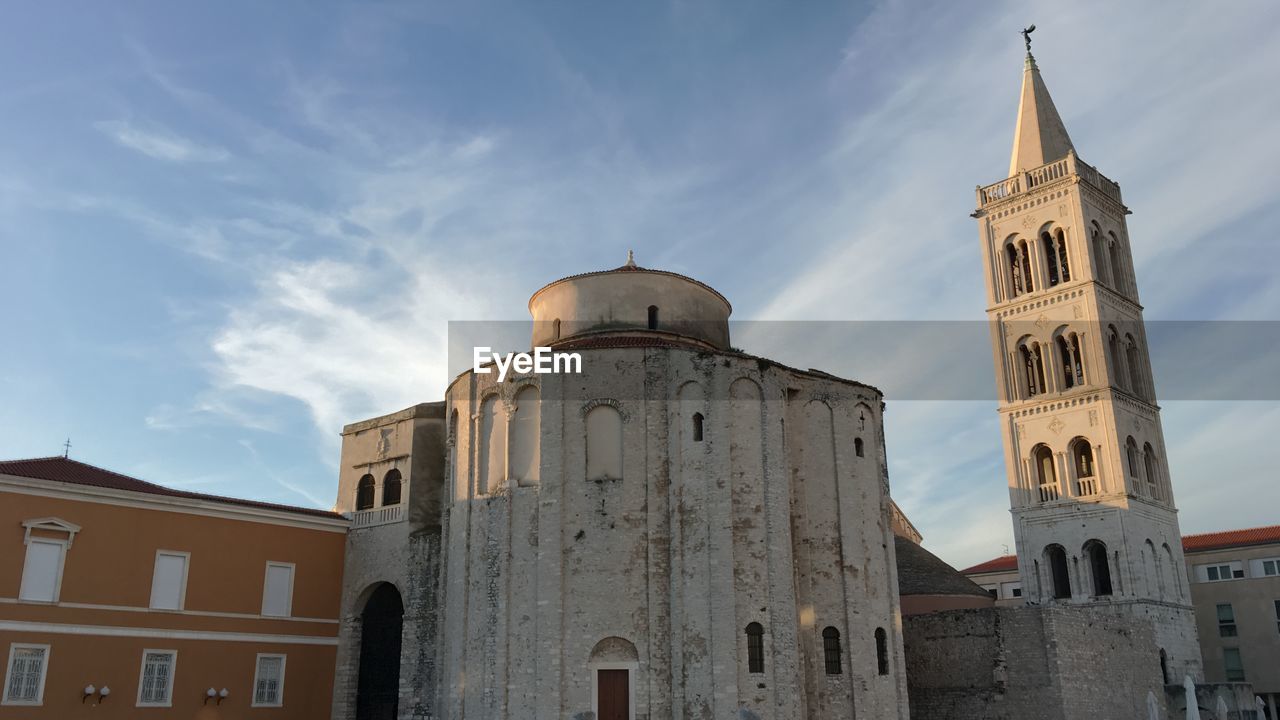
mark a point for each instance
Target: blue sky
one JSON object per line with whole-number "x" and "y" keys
{"x": 229, "y": 229}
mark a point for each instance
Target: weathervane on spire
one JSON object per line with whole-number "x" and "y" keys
{"x": 1026, "y": 36}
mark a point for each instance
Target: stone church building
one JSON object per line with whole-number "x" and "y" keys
{"x": 683, "y": 530}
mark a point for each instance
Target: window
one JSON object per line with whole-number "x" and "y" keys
{"x": 697, "y": 427}
{"x": 1016, "y": 592}
{"x": 1099, "y": 260}
{"x": 1117, "y": 271}
{"x": 42, "y": 571}
{"x": 755, "y": 648}
{"x": 857, "y": 447}
{"x": 831, "y": 650}
{"x": 268, "y": 681}
{"x": 364, "y": 493}
{"x": 1152, "y": 470}
{"x": 169, "y": 581}
{"x": 1082, "y": 459}
{"x": 277, "y": 590}
{"x": 1033, "y": 367}
{"x": 493, "y": 445}
{"x": 555, "y": 329}
{"x": 604, "y": 443}
{"x": 1131, "y": 452}
{"x": 1226, "y": 620}
{"x": 1042, "y": 458}
{"x": 882, "y": 652}
{"x": 525, "y": 436}
{"x": 155, "y": 686}
{"x": 1100, "y": 567}
{"x": 1057, "y": 558}
{"x": 1233, "y": 665}
{"x": 1220, "y": 572}
{"x": 1135, "y": 366}
{"x": 653, "y": 317}
{"x": 1265, "y": 567}
{"x": 24, "y": 680}
{"x": 391, "y": 488}
{"x": 993, "y": 591}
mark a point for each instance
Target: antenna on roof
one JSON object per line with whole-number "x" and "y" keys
{"x": 66, "y": 448}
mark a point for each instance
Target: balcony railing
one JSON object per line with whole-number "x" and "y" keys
{"x": 1048, "y": 493}
{"x": 1086, "y": 486}
{"x": 1057, "y": 170}
{"x": 377, "y": 516}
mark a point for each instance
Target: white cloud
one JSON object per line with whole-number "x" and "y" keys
{"x": 160, "y": 145}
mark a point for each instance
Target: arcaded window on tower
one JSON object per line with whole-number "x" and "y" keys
{"x": 1064, "y": 266}
{"x": 1113, "y": 349}
{"x": 1033, "y": 368}
{"x": 1061, "y": 578}
{"x": 831, "y": 650}
{"x": 1099, "y": 567}
{"x": 364, "y": 493}
{"x": 1131, "y": 454}
{"x": 1135, "y": 366}
{"x": 493, "y": 445}
{"x": 391, "y": 488}
{"x": 1113, "y": 254}
{"x": 755, "y": 648}
{"x": 1070, "y": 360}
{"x": 1055, "y": 256}
{"x": 1152, "y": 470}
{"x": 1099, "y": 256}
{"x": 1082, "y": 461}
{"x": 1047, "y": 477}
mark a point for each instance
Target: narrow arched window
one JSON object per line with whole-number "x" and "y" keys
{"x": 1082, "y": 461}
{"x": 1117, "y": 271}
{"x": 755, "y": 648}
{"x": 1152, "y": 470}
{"x": 1042, "y": 458}
{"x": 1057, "y": 558}
{"x": 604, "y": 443}
{"x": 653, "y": 317}
{"x": 882, "y": 651}
{"x": 1050, "y": 257}
{"x": 697, "y": 427}
{"x": 525, "y": 437}
{"x": 1135, "y": 367}
{"x": 1068, "y": 362}
{"x": 364, "y": 493}
{"x": 1113, "y": 348}
{"x": 1164, "y": 666}
{"x": 1077, "y": 357}
{"x": 1100, "y": 568}
{"x": 857, "y": 447}
{"x": 555, "y": 329}
{"x": 1017, "y": 283}
{"x": 831, "y": 650}
{"x": 493, "y": 445}
{"x": 1039, "y": 352}
{"x": 1064, "y": 267}
{"x": 1131, "y": 453}
{"x": 391, "y": 488}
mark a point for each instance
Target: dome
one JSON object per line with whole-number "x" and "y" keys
{"x": 926, "y": 583}
{"x": 630, "y": 301}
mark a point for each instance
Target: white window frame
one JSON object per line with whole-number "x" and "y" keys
{"x": 266, "y": 573}
{"x": 257, "y": 669}
{"x": 8, "y": 674}
{"x": 182, "y": 589}
{"x": 62, "y": 564}
{"x": 1233, "y": 566}
{"x": 1257, "y": 568}
{"x": 142, "y": 673}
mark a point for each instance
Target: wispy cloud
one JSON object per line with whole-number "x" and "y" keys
{"x": 158, "y": 144}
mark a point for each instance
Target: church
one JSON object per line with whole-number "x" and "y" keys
{"x": 685, "y": 530}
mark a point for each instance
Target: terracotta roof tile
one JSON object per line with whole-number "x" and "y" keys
{"x": 60, "y": 469}
{"x": 1003, "y": 563}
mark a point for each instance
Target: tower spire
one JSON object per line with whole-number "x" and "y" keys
{"x": 1040, "y": 136}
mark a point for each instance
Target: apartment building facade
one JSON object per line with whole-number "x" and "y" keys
{"x": 133, "y": 600}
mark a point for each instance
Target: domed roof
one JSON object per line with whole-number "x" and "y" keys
{"x": 631, "y": 266}
{"x": 920, "y": 572}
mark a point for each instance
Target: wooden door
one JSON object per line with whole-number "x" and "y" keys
{"x": 613, "y": 696}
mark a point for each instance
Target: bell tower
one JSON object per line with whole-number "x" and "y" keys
{"x": 1093, "y": 509}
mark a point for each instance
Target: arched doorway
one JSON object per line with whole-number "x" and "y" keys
{"x": 613, "y": 664}
{"x": 378, "y": 688}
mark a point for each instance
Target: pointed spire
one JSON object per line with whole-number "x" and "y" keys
{"x": 1040, "y": 136}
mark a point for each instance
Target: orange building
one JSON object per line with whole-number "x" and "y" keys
{"x": 124, "y": 599}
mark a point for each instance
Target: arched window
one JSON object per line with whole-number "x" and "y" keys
{"x": 755, "y": 648}
{"x": 526, "y": 437}
{"x": 1099, "y": 567}
{"x": 857, "y": 447}
{"x": 1025, "y": 255}
{"x": 1057, "y": 558}
{"x": 1050, "y": 246}
{"x": 493, "y": 445}
{"x": 1152, "y": 470}
{"x": 1082, "y": 461}
{"x": 1042, "y": 460}
{"x": 604, "y": 443}
{"x": 882, "y": 652}
{"x": 391, "y": 488}
{"x": 1099, "y": 258}
{"x": 364, "y": 493}
{"x": 1164, "y": 666}
{"x": 1117, "y": 271}
{"x": 1135, "y": 367}
{"x": 831, "y": 650}
{"x": 1113, "y": 348}
{"x": 1017, "y": 284}
{"x": 1033, "y": 368}
{"x": 1131, "y": 454}
{"x": 1064, "y": 267}
{"x": 555, "y": 329}
{"x": 653, "y": 317}
{"x": 697, "y": 427}
{"x": 1069, "y": 357}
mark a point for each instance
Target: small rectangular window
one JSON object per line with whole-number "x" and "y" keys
{"x": 24, "y": 679}
{"x": 42, "y": 570}
{"x": 1233, "y": 664}
{"x": 1226, "y": 620}
{"x": 1266, "y": 567}
{"x": 169, "y": 580}
{"x": 277, "y": 590}
{"x": 268, "y": 681}
{"x": 1017, "y": 592}
{"x": 155, "y": 681}
{"x": 1220, "y": 571}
